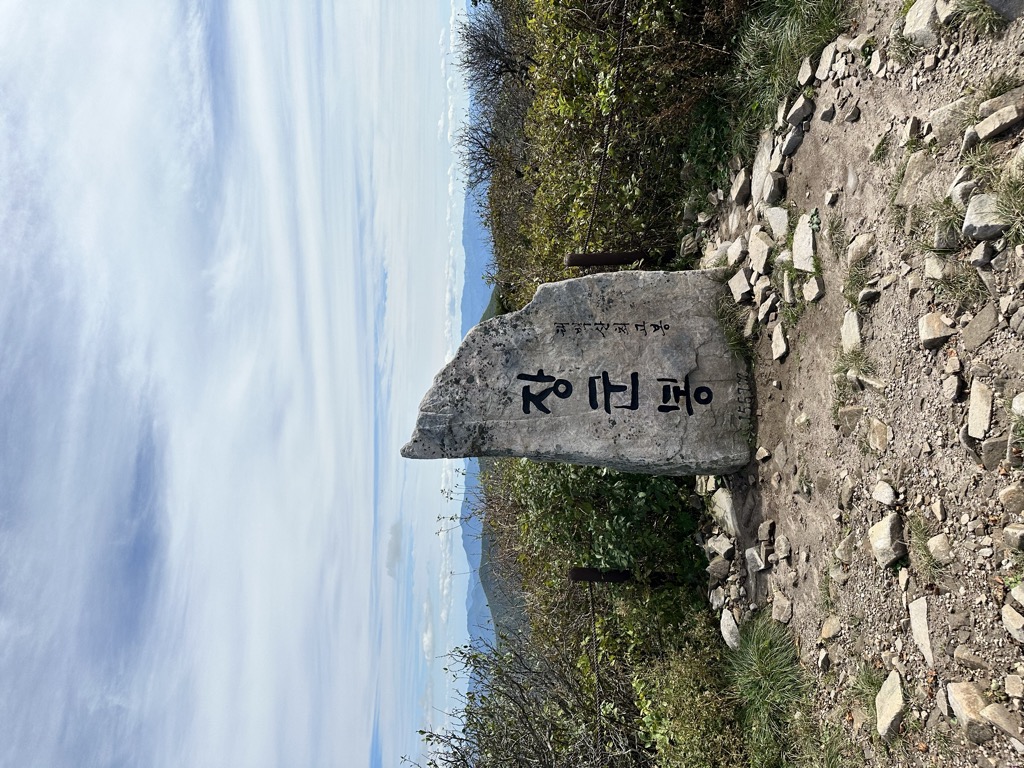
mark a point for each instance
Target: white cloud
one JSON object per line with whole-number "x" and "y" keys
{"x": 203, "y": 396}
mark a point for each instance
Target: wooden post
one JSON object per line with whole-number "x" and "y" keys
{"x": 617, "y": 576}
{"x": 604, "y": 259}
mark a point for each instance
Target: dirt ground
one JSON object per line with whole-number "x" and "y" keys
{"x": 904, "y": 428}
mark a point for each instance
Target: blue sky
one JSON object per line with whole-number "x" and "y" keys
{"x": 231, "y": 264}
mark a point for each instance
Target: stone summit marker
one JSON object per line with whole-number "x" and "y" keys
{"x": 628, "y": 370}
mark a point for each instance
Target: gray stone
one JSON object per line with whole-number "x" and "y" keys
{"x": 782, "y": 547}
{"x": 1013, "y": 534}
{"x": 844, "y": 552}
{"x": 736, "y": 251}
{"x": 982, "y": 220}
{"x": 919, "y": 628}
{"x": 740, "y": 192}
{"x": 755, "y": 563}
{"x": 911, "y": 130}
{"x": 779, "y": 344}
{"x": 999, "y": 716}
{"x": 851, "y": 331}
{"x": 768, "y": 306}
{"x": 961, "y": 193}
{"x": 933, "y": 331}
{"x": 849, "y": 417}
{"x": 1011, "y": 10}
{"x": 802, "y": 109}
{"x": 919, "y": 25}
{"x": 792, "y": 141}
{"x": 782, "y": 608}
{"x": 999, "y": 122}
{"x": 919, "y": 167}
{"x": 723, "y": 511}
{"x": 934, "y": 267}
{"x": 970, "y": 141}
{"x": 778, "y": 222}
{"x": 831, "y": 627}
{"x": 774, "y": 188}
{"x": 979, "y": 412}
{"x": 1014, "y": 686}
{"x": 967, "y": 700}
{"x": 766, "y": 530}
{"x": 803, "y": 245}
{"x": 828, "y": 57}
{"x": 828, "y": 114}
{"x": 1013, "y": 623}
{"x": 952, "y": 387}
{"x": 487, "y": 400}
{"x": 722, "y": 545}
{"x": 879, "y": 435}
{"x": 947, "y": 120}
{"x": 886, "y": 538}
{"x": 759, "y": 247}
{"x": 718, "y": 570}
{"x": 878, "y": 62}
{"x": 993, "y": 451}
{"x": 1010, "y": 98}
{"x": 889, "y": 706}
{"x": 940, "y": 548}
{"x": 730, "y": 630}
{"x": 884, "y": 494}
{"x": 981, "y": 327}
{"x": 981, "y": 254}
{"x": 853, "y": 114}
{"x": 860, "y": 248}
{"x": 967, "y": 658}
{"x": 761, "y": 161}
{"x": 814, "y": 289}
{"x": 806, "y": 74}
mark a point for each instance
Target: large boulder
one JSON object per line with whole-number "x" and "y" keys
{"x": 628, "y": 370}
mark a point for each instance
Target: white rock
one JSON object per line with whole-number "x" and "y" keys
{"x": 920, "y": 23}
{"x": 886, "y": 540}
{"x": 983, "y": 220}
{"x": 1013, "y": 623}
{"x": 759, "y": 247}
{"x": 889, "y": 706}
{"x": 967, "y": 700}
{"x": 723, "y": 511}
{"x": 933, "y": 330}
{"x": 999, "y": 122}
{"x": 779, "y": 344}
{"x": 730, "y": 630}
{"x": 828, "y": 57}
{"x": 803, "y": 245}
{"x": 801, "y": 110}
{"x": 884, "y": 493}
{"x": 778, "y": 222}
{"x": 851, "y": 331}
{"x": 940, "y": 548}
{"x": 979, "y": 413}
{"x": 919, "y": 628}
{"x": 814, "y": 288}
{"x": 739, "y": 285}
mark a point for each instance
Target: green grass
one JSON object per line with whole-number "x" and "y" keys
{"x": 772, "y": 689}
{"x": 881, "y": 150}
{"x": 976, "y": 16}
{"x": 903, "y": 49}
{"x": 842, "y": 390}
{"x": 835, "y": 227}
{"x": 733, "y": 317}
{"x": 1009, "y": 191}
{"x": 997, "y": 84}
{"x": 961, "y": 287}
{"x": 921, "y": 559}
{"x": 771, "y": 46}
{"x": 865, "y": 685}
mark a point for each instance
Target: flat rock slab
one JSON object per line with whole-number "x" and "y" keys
{"x": 967, "y": 701}
{"x": 981, "y": 327}
{"x": 919, "y": 628}
{"x": 983, "y": 220}
{"x": 979, "y": 412}
{"x": 889, "y": 705}
{"x": 627, "y": 370}
{"x": 803, "y": 245}
{"x": 919, "y": 167}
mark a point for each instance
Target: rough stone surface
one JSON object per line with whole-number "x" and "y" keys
{"x": 919, "y": 167}
{"x": 739, "y": 285}
{"x": 740, "y": 192}
{"x": 979, "y": 413}
{"x": 759, "y": 248}
{"x": 1015, "y": 96}
{"x": 780, "y": 346}
{"x": 828, "y": 57}
{"x": 940, "y": 548}
{"x": 933, "y": 331}
{"x": 884, "y": 494}
{"x": 879, "y": 436}
{"x": 947, "y": 120}
{"x": 606, "y": 340}
{"x": 1013, "y": 534}
{"x": 967, "y": 700}
{"x": 889, "y": 706}
{"x": 919, "y": 628}
{"x": 851, "y": 331}
{"x": 782, "y": 608}
{"x": 982, "y": 220}
{"x": 814, "y": 289}
{"x": 860, "y": 248}
{"x": 723, "y": 511}
{"x": 1013, "y": 623}
{"x": 774, "y": 187}
{"x": 761, "y": 162}
{"x": 886, "y": 540}
{"x": 980, "y": 329}
{"x": 1004, "y": 720}
{"x": 920, "y": 23}
{"x": 777, "y": 219}
{"x": 999, "y": 122}
{"x": 802, "y": 109}
{"x": 803, "y": 245}
{"x": 730, "y": 630}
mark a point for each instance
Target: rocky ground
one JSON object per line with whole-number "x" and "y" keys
{"x": 879, "y": 282}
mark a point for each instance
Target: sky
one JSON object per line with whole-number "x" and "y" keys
{"x": 231, "y": 261}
